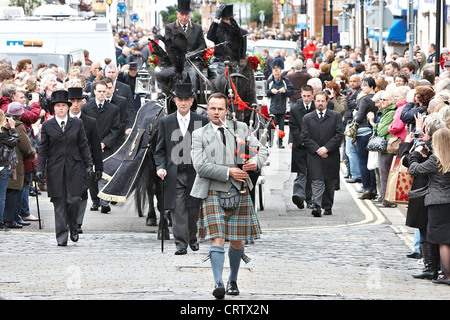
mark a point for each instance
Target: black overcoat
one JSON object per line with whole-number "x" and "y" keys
{"x": 167, "y": 155}
{"x": 326, "y": 132}
{"x": 299, "y": 154}
{"x": 64, "y": 153}
{"x": 108, "y": 123}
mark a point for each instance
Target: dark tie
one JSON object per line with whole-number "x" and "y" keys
{"x": 222, "y": 133}
{"x": 321, "y": 115}
{"x": 63, "y": 126}
{"x": 184, "y": 29}
{"x": 100, "y": 106}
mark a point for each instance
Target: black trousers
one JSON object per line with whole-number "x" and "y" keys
{"x": 66, "y": 210}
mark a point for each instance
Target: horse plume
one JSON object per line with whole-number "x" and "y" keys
{"x": 173, "y": 60}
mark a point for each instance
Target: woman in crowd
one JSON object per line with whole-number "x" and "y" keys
{"x": 420, "y": 105}
{"x": 339, "y": 101}
{"x": 8, "y": 140}
{"x": 417, "y": 212}
{"x": 364, "y": 106}
{"x": 325, "y": 74}
{"x": 437, "y": 197}
{"x": 387, "y": 108}
{"x": 398, "y": 127}
{"x": 13, "y": 204}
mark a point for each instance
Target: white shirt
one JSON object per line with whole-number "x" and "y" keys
{"x": 183, "y": 122}
{"x": 75, "y": 116}
{"x": 323, "y": 113}
{"x": 61, "y": 120}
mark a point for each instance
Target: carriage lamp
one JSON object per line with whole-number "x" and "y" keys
{"x": 143, "y": 82}
{"x": 260, "y": 85}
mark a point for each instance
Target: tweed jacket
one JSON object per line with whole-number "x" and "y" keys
{"x": 212, "y": 160}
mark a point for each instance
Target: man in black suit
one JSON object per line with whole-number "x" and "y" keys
{"x": 123, "y": 90}
{"x": 195, "y": 38}
{"x": 174, "y": 165}
{"x": 322, "y": 134}
{"x": 64, "y": 154}
{"x": 108, "y": 124}
{"x": 77, "y": 98}
{"x": 302, "y": 183}
{"x": 122, "y": 104}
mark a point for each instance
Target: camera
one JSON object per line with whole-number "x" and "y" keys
{"x": 29, "y": 95}
{"x": 418, "y": 135}
{"x": 327, "y": 91}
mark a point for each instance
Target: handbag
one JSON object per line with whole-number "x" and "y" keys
{"x": 399, "y": 183}
{"x": 352, "y": 130}
{"x": 229, "y": 200}
{"x": 394, "y": 144}
{"x": 376, "y": 143}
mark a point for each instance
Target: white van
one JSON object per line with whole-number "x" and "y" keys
{"x": 62, "y": 57}
{"x": 55, "y": 35}
{"x": 290, "y": 46}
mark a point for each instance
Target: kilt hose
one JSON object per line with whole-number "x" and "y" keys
{"x": 240, "y": 224}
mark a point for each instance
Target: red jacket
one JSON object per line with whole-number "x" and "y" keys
{"x": 307, "y": 49}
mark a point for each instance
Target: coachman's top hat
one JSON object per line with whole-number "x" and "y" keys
{"x": 184, "y": 6}
{"x": 76, "y": 93}
{"x": 227, "y": 11}
{"x": 183, "y": 90}
{"x": 60, "y": 96}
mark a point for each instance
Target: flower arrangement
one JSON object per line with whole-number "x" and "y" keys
{"x": 257, "y": 61}
{"x": 153, "y": 60}
{"x": 207, "y": 57}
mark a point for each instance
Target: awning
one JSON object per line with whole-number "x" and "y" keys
{"x": 397, "y": 33}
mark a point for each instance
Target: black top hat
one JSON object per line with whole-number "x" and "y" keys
{"x": 76, "y": 93}
{"x": 183, "y": 90}
{"x": 227, "y": 11}
{"x": 60, "y": 96}
{"x": 133, "y": 65}
{"x": 184, "y": 6}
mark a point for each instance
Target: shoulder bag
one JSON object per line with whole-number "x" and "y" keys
{"x": 376, "y": 143}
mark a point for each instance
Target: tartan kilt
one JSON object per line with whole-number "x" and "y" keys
{"x": 240, "y": 224}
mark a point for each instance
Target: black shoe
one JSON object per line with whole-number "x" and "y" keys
{"x": 12, "y": 225}
{"x": 368, "y": 195}
{"x": 95, "y": 206}
{"x": 442, "y": 280}
{"x": 281, "y": 147}
{"x": 317, "y": 212}
{"x": 353, "y": 180}
{"x": 219, "y": 291}
{"x": 327, "y": 212}
{"x": 3, "y": 227}
{"x": 347, "y": 176}
{"x": 79, "y": 230}
{"x": 181, "y": 252}
{"x": 62, "y": 244}
{"x": 74, "y": 236}
{"x": 414, "y": 255}
{"x": 194, "y": 246}
{"x": 105, "y": 209}
{"x": 232, "y": 288}
{"x": 298, "y": 201}
{"x": 19, "y": 220}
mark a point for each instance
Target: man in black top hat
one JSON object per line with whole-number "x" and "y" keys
{"x": 224, "y": 14}
{"x": 174, "y": 166}
{"x": 77, "y": 98}
{"x": 64, "y": 154}
{"x": 195, "y": 39}
{"x": 128, "y": 75}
